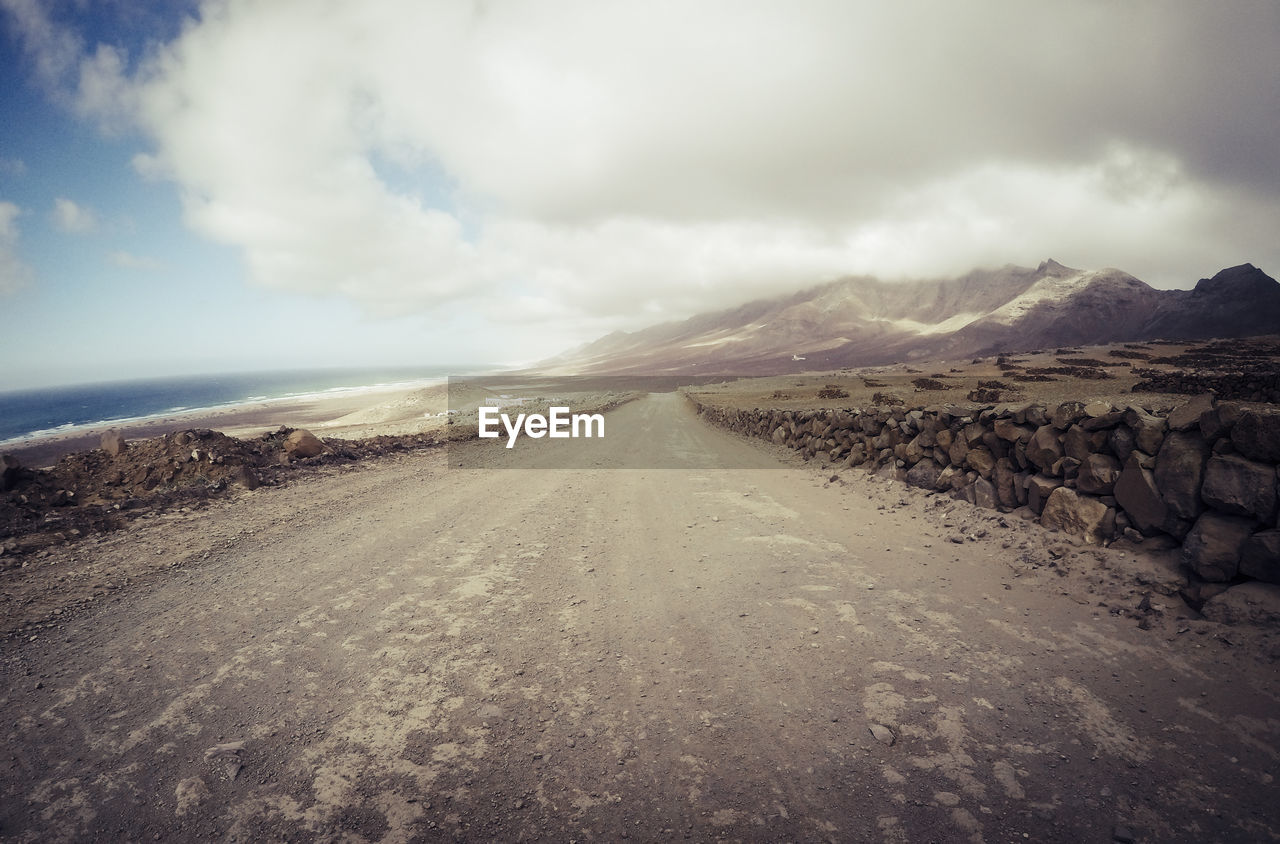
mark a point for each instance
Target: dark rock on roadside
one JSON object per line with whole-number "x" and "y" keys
{"x": 303, "y": 443}
{"x": 1214, "y": 546}
{"x": 984, "y": 494}
{"x": 1079, "y": 515}
{"x": 1044, "y": 448}
{"x": 1148, "y": 430}
{"x": 1039, "y": 488}
{"x": 1235, "y": 484}
{"x": 1187, "y": 416}
{"x": 1137, "y": 493}
{"x": 1179, "y": 472}
{"x": 924, "y": 474}
{"x": 1098, "y": 474}
{"x": 1067, "y": 413}
{"x": 1256, "y": 433}
{"x": 1261, "y": 556}
{"x": 1248, "y": 603}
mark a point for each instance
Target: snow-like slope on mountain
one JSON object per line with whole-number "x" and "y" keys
{"x": 864, "y": 321}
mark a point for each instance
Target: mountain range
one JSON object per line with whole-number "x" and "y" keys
{"x": 863, "y": 321}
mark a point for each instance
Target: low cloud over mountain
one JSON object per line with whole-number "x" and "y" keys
{"x": 863, "y": 321}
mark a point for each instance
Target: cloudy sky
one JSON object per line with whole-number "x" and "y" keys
{"x": 258, "y": 184}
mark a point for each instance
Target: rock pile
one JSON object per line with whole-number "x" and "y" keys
{"x": 1205, "y": 474}
{"x": 100, "y": 490}
{"x": 1244, "y": 370}
{"x": 1248, "y": 385}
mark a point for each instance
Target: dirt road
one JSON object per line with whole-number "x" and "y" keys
{"x": 411, "y": 652}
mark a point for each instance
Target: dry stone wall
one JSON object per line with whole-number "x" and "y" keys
{"x": 1205, "y": 473}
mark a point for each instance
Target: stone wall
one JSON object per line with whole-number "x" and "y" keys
{"x": 1205, "y": 473}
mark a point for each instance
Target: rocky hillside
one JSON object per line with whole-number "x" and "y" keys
{"x": 866, "y": 322}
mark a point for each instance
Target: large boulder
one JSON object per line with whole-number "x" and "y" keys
{"x": 1020, "y": 487}
{"x": 1121, "y": 442}
{"x": 1261, "y": 556}
{"x": 891, "y": 471}
{"x": 1097, "y": 408}
{"x": 114, "y": 443}
{"x": 1003, "y": 478}
{"x": 1079, "y": 443}
{"x": 1067, "y": 413}
{"x": 1035, "y": 415}
{"x": 998, "y": 447}
{"x": 1011, "y": 431}
{"x": 984, "y": 494}
{"x": 1039, "y": 488}
{"x": 1214, "y": 546}
{"x": 856, "y": 457}
{"x": 972, "y": 434}
{"x": 1098, "y": 474}
{"x": 1257, "y": 433}
{"x": 981, "y": 460}
{"x": 1148, "y": 430}
{"x": 302, "y": 443}
{"x": 1179, "y": 472}
{"x": 1235, "y": 484}
{"x": 1079, "y": 515}
{"x": 1248, "y": 603}
{"x": 1104, "y": 422}
{"x": 1137, "y": 493}
{"x": 928, "y": 436}
{"x": 924, "y": 474}
{"x": 914, "y": 450}
{"x": 947, "y": 478}
{"x": 889, "y": 437}
{"x": 1044, "y": 448}
{"x": 1186, "y": 417}
{"x": 1219, "y": 421}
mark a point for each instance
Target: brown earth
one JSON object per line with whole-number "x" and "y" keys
{"x": 394, "y": 650}
{"x": 89, "y": 492}
{"x": 102, "y": 488}
{"x": 1159, "y": 374}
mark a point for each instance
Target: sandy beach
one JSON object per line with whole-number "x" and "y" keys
{"x": 243, "y": 421}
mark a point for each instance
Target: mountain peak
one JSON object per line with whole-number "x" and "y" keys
{"x": 1052, "y": 267}
{"x": 1241, "y": 280}
{"x": 865, "y": 322}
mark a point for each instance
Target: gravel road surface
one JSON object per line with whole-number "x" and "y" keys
{"x": 405, "y": 651}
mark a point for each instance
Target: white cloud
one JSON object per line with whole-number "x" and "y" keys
{"x": 129, "y": 261}
{"x": 54, "y": 50}
{"x": 610, "y": 163}
{"x": 14, "y": 272}
{"x": 70, "y": 216}
{"x": 103, "y": 92}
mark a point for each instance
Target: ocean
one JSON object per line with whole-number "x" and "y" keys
{"x": 29, "y": 413}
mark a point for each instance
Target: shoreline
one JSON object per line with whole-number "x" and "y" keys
{"x": 242, "y": 420}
